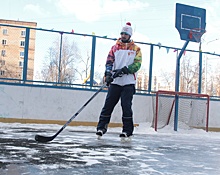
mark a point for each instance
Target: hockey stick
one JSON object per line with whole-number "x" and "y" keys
{"x": 44, "y": 139}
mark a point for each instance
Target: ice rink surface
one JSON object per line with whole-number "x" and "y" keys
{"x": 76, "y": 151}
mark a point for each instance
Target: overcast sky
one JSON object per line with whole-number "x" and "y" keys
{"x": 152, "y": 20}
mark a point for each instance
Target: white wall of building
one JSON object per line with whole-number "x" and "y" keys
{"x": 40, "y": 103}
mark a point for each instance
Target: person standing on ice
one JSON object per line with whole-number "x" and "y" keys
{"x": 122, "y": 64}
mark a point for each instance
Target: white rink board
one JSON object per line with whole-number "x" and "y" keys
{"x": 41, "y": 103}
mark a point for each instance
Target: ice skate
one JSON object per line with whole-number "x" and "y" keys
{"x": 99, "y": 134}
{"x": 125, "y": 137}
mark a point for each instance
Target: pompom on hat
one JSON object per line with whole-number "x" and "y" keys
{"x": 127, "y": 29}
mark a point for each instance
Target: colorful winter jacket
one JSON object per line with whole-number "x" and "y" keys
{"x": 124, "y": 54}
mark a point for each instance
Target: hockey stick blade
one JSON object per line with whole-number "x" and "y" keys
{"x": 44, "y": 139}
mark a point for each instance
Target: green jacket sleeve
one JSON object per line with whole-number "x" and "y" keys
{"x": 136, "y": 65}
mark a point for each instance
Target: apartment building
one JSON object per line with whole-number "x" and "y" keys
{"x": 12, "y": 49}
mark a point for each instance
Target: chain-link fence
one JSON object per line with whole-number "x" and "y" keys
{"x": 57, "y": 58}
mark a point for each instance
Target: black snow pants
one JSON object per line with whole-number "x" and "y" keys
{"x": 116, "y": 92}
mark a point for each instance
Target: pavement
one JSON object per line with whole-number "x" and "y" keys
{"x": 79, "y": 152}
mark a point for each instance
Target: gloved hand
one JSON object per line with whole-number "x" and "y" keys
{"x": 108, "y": 78}
{"x": 120, "y": 72}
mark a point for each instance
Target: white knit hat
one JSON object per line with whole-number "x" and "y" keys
{"x": 127, "y": 29}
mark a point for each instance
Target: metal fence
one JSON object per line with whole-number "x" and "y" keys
{"x": 58, "y": 58}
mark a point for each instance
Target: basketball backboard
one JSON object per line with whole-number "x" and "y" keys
{"x": 190, "y": 22}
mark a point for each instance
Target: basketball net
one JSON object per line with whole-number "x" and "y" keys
{"x": 196, "y": 34}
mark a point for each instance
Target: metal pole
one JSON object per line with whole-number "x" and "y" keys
{"x": 92, "y": 61}
{"x": 25, "y": 64}
{"x": 59, "y": 65}
{"x": 177, "y": 84}
{"x": 200, "y": 73}
{"x": 150, "y": 67}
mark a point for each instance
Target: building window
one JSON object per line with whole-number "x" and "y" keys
{"x": 20, "y": 63}
{"x": 22, "y": 43}
{"x": 3, "y": 53}
{"x": 5, "y": 31}
{"x": 2, "y": 72}
{"x": 2, "y": 62}
{"x": 23, "y": 33}
{"x": 4, "y": 42}
{"x": 21, "y": 54}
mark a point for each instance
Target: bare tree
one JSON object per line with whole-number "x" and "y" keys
{"x": 216, "y": 80}
{"x": 11, "y": 70}
{"x": 85, "y": 67}
{"x": 61, "y": 67}
{"x": 189, "y": 75}
{"x": 167, "y": 79}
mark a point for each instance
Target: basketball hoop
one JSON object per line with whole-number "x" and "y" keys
{"x": 196, "y": 34}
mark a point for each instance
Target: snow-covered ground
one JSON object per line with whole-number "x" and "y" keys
{"x": 77, "y": 151}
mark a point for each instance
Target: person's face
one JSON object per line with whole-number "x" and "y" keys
{"x": 124, "y": 37}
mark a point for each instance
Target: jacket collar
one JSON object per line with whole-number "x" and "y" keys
{"x": 119, "y": 42}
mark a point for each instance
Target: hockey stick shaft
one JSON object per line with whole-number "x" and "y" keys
{"x": 44, "y": 139}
